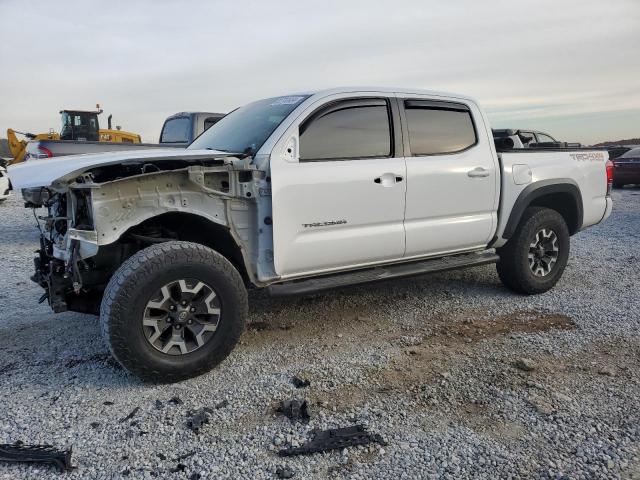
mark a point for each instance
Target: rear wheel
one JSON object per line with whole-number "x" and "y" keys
{"x": 536, "y": 255}
{"x": 173, "y": 311}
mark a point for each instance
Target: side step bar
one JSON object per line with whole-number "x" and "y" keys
{"x": 317, "y": 284}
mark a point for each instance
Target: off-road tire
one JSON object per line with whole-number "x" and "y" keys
{"x": 129, "y": 289}
{"x": 513, "y": 267}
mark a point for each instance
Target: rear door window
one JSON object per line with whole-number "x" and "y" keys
{"x": 348, "y": 129}
{"x": 176, "y": 130}
{"x": 439, "y": 127}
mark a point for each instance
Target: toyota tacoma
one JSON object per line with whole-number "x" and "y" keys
{"x": 298, "y": 194}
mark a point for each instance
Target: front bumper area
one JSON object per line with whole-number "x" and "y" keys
{"x": 50, "y": 273}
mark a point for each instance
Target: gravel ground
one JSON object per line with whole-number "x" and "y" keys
{"x": 461, "y": 377}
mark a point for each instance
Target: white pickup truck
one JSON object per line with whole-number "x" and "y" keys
{"x": 298, "y": 194}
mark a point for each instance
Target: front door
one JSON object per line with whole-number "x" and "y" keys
{"x": 452, "y": 179}
{"x": 340, "y": 201}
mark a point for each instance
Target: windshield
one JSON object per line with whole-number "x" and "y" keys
{"x": 245, "y": 130}
{"x": 634, "y": 152}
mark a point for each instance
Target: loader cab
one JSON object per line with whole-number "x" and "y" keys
{"x": 80, "y": 125}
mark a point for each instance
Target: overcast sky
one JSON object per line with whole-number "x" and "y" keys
{"x": 569, "y": 67}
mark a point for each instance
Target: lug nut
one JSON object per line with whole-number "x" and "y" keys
{"x": 189, "y": 322}
{"x": 172, "y": 307}
{"x": 178, "y": 327}
{"x": 192, "y": 309}
{"x": 184, "y": 302}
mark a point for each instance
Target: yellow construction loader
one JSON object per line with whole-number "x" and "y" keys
{"x": 77, "y": 125}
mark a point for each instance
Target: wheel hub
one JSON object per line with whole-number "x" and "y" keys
{"x": 543, "y": 252}
{"x": 181, "y": 316}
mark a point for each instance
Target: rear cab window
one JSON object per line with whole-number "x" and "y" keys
{"x": 438, "y": 128}
{"x": 543, "y": 138}
{"x": 348, "y": 129}
{"x": 210, "y": 122}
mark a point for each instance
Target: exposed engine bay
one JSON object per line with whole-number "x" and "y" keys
{"x": 107, "y": 214}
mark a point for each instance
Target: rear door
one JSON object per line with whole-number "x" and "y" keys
{"x": 452, "y": 177}
{"x": 339, "y": 201}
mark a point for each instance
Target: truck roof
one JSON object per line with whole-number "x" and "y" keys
{"x": 412, "y": 91}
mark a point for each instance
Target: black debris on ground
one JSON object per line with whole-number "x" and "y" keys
{"x": 185, "y": 455}
{"x": 19, "y": 452}
{"x": 222, "y": 404}
{"x": 198, "y": 418}
{"x": 130, "y": 416}
{"x": 158, "y": 404}
{"x": 108, "y": 402}
{"x": 181, "y": 467}
{"x": 295, "y": 410}
{"x": 285, "y": 472}
{"x": 94, "y": 425}
{"x": 334, "y": 439}
{"x": 176, "y": 400}
{"x": 300, "y": 383}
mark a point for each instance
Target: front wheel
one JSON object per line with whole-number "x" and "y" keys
{"x": 173, "y": 311}
{"x": 535, "y": 257}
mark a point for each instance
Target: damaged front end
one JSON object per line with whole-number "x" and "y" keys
{"x": 70, "y": 282}
{"x": 99, "y": 218}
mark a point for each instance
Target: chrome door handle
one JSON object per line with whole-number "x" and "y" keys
{"x": 388, "y": 179}
{"x": 478, "y": 172}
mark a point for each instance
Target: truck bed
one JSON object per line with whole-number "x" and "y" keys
{"x": 525, "y": 169}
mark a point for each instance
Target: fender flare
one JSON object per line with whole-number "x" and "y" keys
{"x": 540, "y": 189}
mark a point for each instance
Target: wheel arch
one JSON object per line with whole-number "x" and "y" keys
{"x": 191, "y": 227}
{"x": 562, "y": 195}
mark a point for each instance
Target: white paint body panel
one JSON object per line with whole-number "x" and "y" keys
{"x": 588, "y": 175}
{"x": 43, "y": 172}
{"x": 336, "y": 191}
{"x": 446, "y": 209}
{"x": 331, "y": 191}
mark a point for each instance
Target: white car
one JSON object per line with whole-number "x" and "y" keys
{"x": 298, "y": 194}
{"x": 5, "y": 185}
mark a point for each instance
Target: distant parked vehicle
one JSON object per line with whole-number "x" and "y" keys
{"x": 5, "y": 185}
{"x": 182, "y": 128}
{"x": 626, "y": 168}
{"x": 616, "y": 150}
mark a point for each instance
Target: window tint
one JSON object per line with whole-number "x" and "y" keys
{"x": 434, "y": 130}
{"x": 176, "y": 130}
{"x": 349, "y": 129}
{"x": 544, "y": 138}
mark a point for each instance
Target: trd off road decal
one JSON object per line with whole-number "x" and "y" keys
{"x": 588, "y": 157}
{"x": 324, "y": 224}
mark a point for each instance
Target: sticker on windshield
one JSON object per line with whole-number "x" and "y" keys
{"x": 286, "y": 100}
